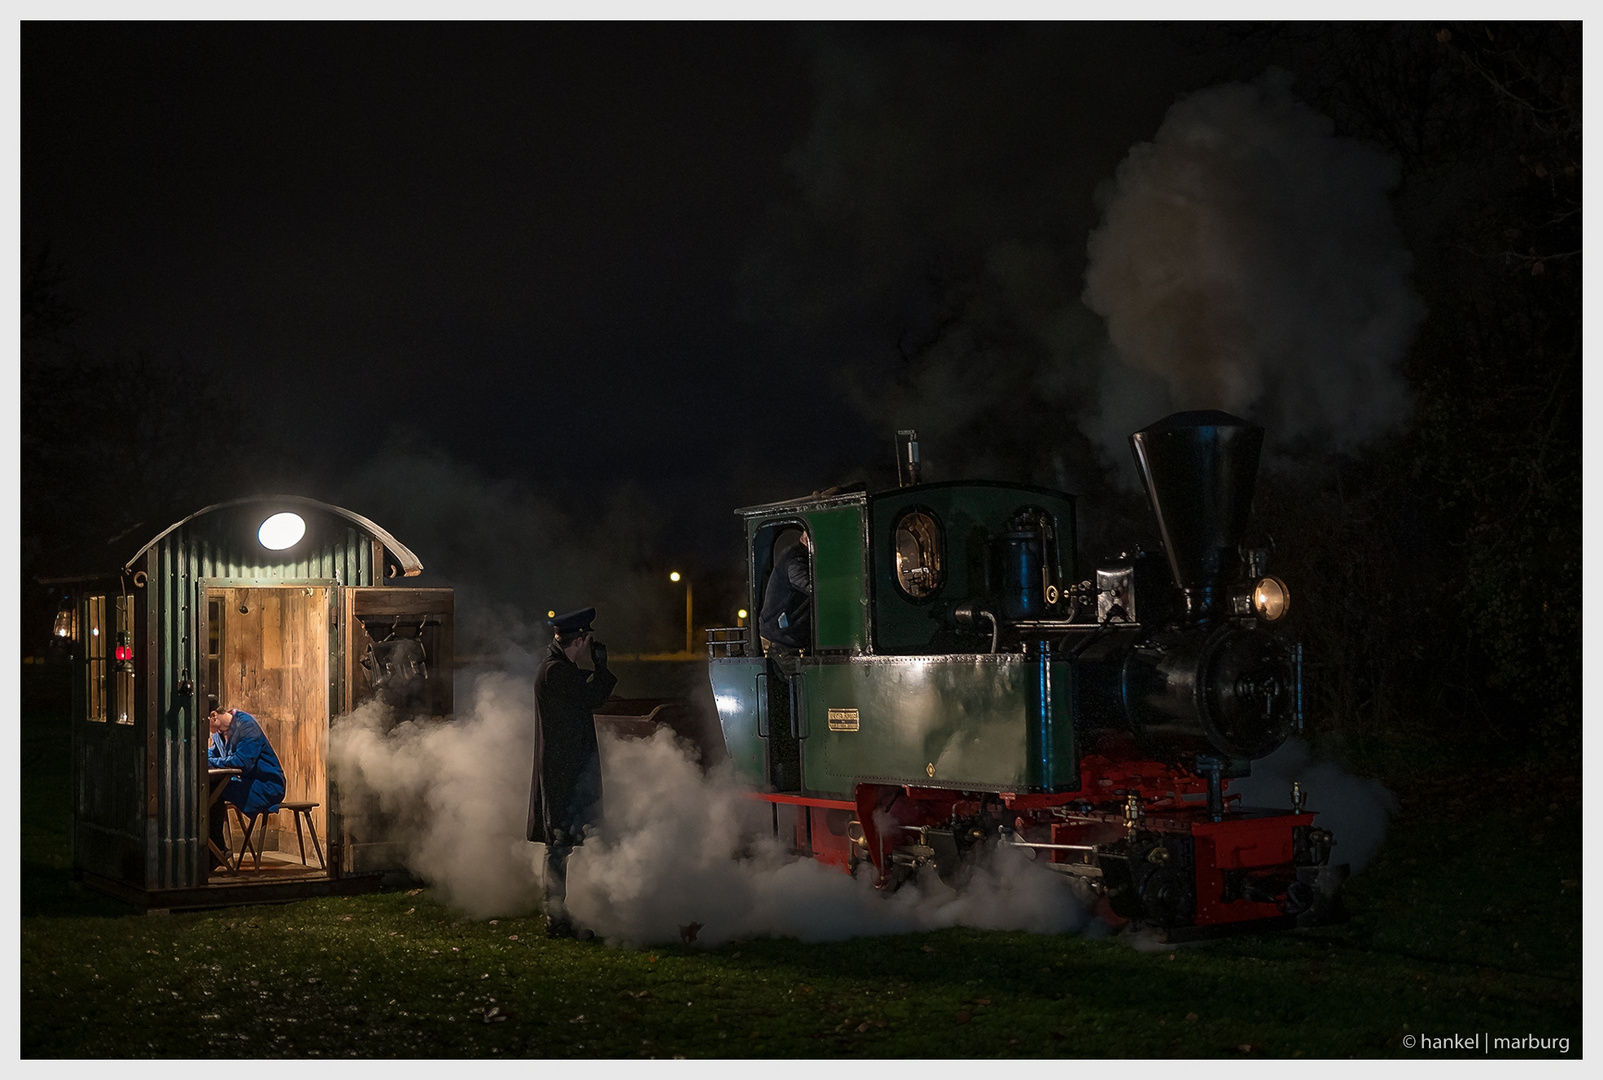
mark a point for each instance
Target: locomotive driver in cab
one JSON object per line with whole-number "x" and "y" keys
{"x": 566, "y": 792}
{"x": 785, "y": 620}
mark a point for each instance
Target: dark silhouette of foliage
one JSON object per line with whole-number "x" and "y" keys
{"x": 1458, "y": 547}
{"x": 113, "y": 450}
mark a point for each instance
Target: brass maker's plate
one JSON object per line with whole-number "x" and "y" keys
{"x": 843, "y": 719}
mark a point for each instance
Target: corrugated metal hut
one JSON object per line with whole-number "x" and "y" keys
{"x": 297, "y": 628}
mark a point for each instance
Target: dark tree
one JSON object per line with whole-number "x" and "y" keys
{"x": 1449, "y": 563}
{"x": 112, "y": 449}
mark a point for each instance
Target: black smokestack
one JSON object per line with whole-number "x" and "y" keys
{"x": 1199, "y": 469}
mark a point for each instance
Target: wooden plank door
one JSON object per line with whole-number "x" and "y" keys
{"x": 273, "y": 662}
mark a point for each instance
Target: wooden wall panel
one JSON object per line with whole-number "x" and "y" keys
{"x": 275, "y": 666}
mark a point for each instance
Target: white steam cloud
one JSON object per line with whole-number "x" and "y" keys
{"x": 454, "y": 796}
{"x": 1249, "y": 261}
{"x": 1355, "y": 809}
{"x": 679, "y": 846}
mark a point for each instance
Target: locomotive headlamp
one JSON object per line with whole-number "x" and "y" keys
{"x": 281, "y": 531}
{"x": 1270, "y": 598}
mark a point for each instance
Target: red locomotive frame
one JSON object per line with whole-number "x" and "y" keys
{"x": 1242, "y": 865}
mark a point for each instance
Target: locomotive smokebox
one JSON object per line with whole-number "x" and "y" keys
{"x": 1199, "y": 469}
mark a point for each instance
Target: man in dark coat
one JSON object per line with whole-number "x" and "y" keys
{"x": 786, "y": 618}
{"x": 566, "y": 793}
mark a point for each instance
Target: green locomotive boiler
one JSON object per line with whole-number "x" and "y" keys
{"x": 964, "y": 686}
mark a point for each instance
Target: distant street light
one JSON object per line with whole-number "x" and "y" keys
{"x": 675, "y": 576}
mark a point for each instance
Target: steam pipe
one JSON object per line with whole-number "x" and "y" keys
{"x": 996, "y": 630}
{"x": 1211, "y": 767}
{"x": 1091, "y": 638}
{"x": 968, "y": 614}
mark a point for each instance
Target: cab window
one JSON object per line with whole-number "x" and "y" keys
{"x": 916, "y": 539}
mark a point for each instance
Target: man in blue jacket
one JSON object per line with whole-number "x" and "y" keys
{"x": 237, "y": 742}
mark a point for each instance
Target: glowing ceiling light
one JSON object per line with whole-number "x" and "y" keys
{"x": 281, "y": 531}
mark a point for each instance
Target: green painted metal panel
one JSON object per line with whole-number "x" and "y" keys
{"x": 978, "y": 722}
{"x": 737, "y": 691}
{"x": 840, "y": 597}
{"x": 969, "y": 515}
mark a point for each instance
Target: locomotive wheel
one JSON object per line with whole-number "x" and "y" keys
{"x": 1150, "y": 879}
{"x": 1166, "y": 897}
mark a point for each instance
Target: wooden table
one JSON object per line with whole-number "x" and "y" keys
{"x": 219, "y": 779}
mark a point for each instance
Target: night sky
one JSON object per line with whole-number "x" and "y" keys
{"x": 515, "y": 239}
{"x": 595, "y": 271}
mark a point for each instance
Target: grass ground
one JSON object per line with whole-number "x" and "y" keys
{"x": 1467, "y": 923}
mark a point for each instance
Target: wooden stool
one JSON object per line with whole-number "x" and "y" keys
{"x": 304, "y": 810}
{"x": 249, "y": 824}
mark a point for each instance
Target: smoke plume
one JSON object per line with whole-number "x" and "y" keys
{"x": 678, "y": 845}
{"x": 1248, "y": 260}
{"x": 1018, "y": 278}
{"x": 512, "y": 553}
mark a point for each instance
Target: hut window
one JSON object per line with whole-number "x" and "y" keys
{"x": 123, "y": 703}
{"x": 214, "y": 646}
{"x": 95, "y": 652}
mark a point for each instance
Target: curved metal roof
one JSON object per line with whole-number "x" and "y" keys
{"x": 410, "y": 566}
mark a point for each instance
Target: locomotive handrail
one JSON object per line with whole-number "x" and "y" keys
{"x": 1064, "y": 625}
{"x": 726, "y": 641}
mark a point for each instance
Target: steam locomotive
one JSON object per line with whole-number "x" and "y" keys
{"x": 965, "y": 687}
